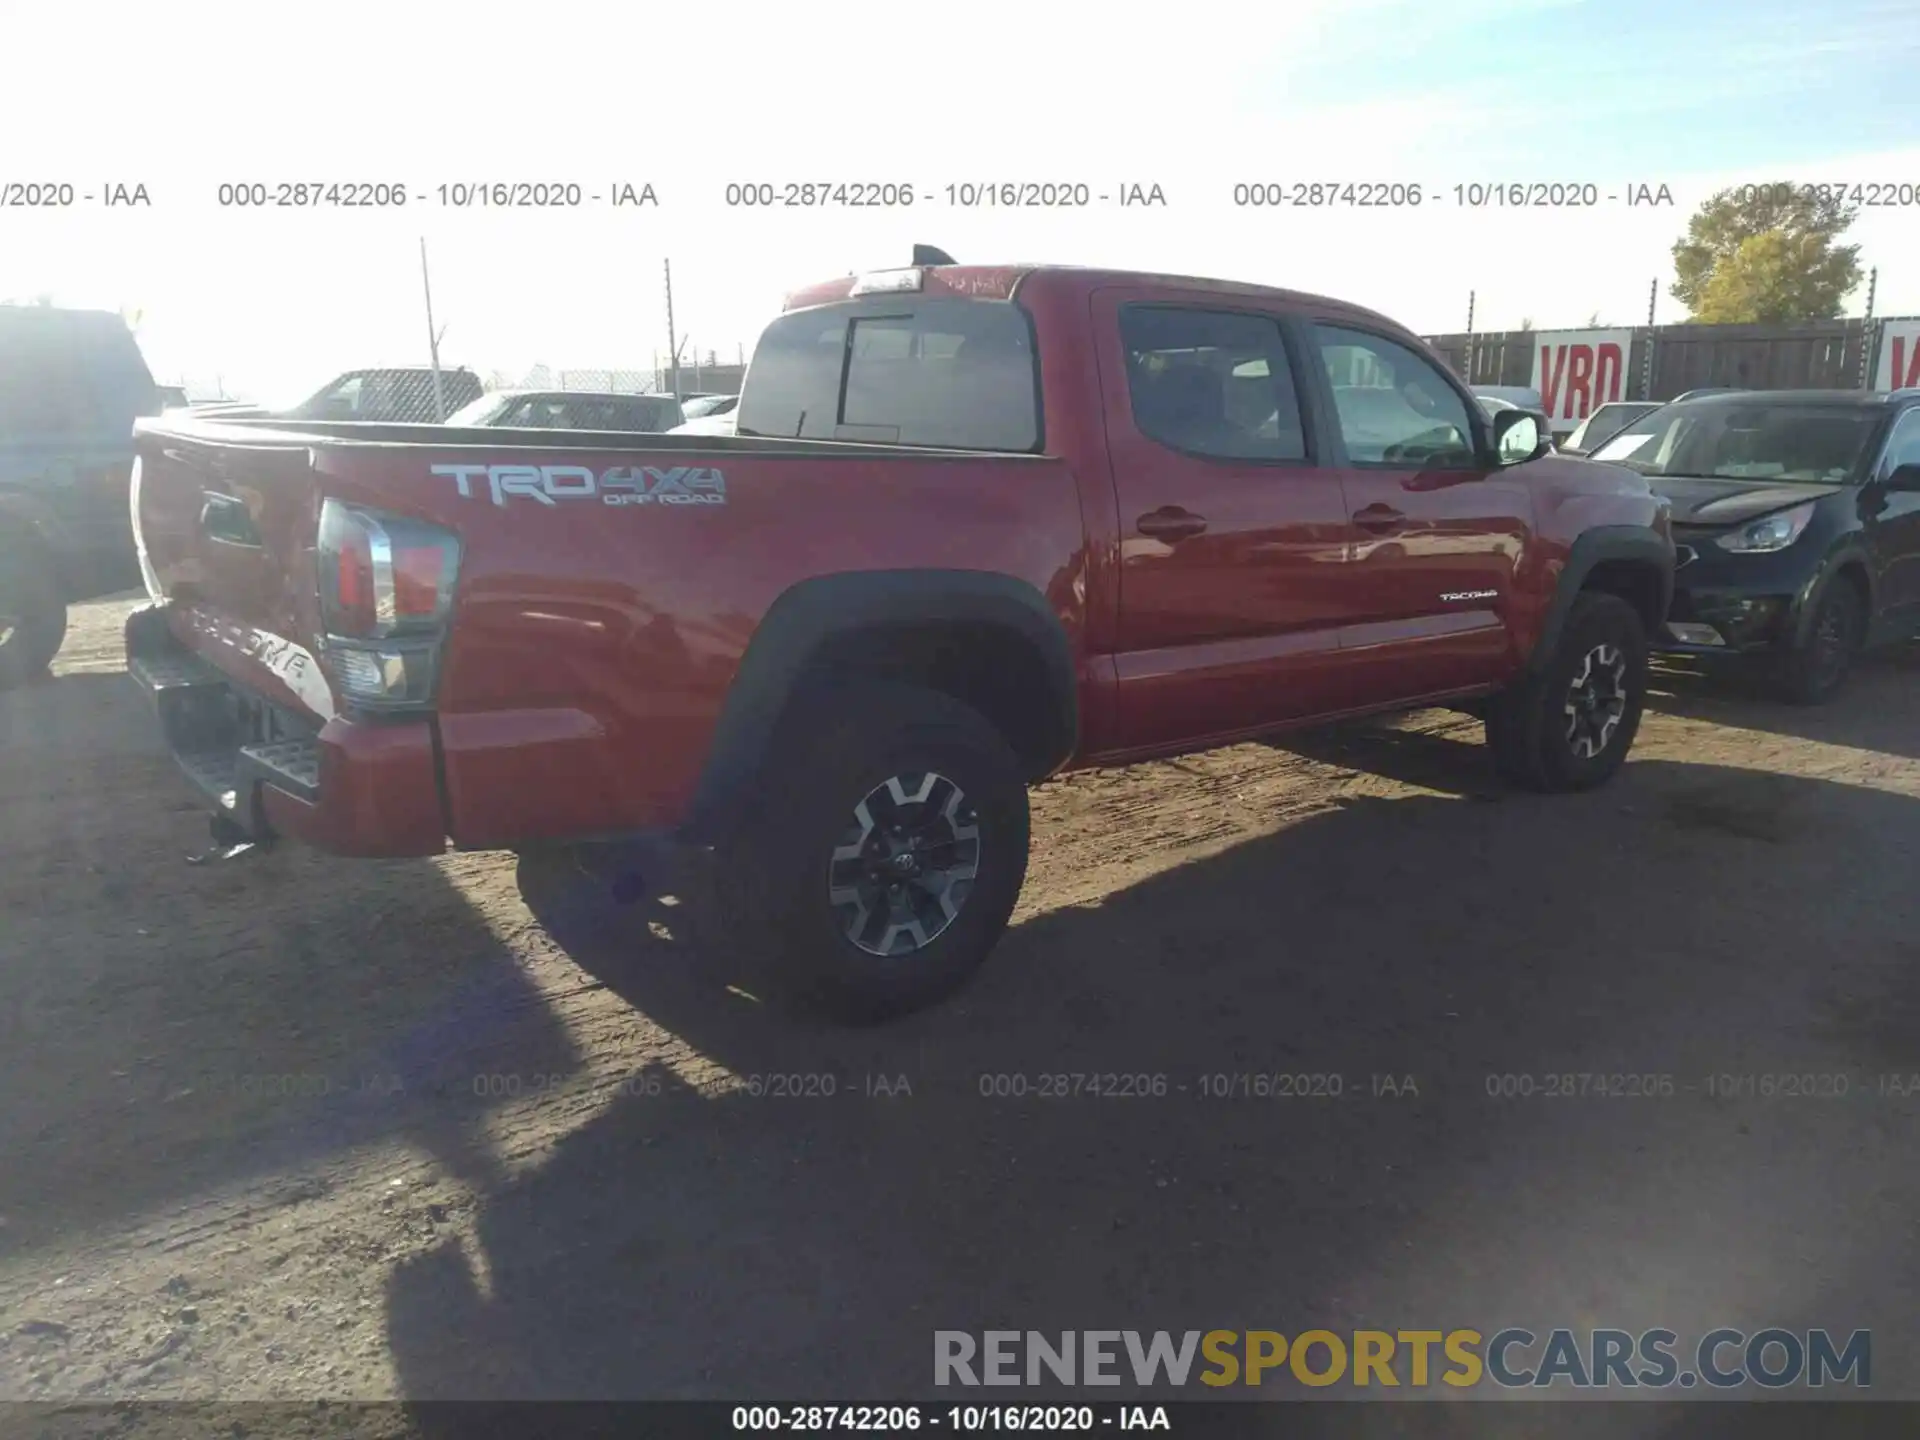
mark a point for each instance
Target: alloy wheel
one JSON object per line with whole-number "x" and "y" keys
{"x": 1596, "y": 700}
{"x": 906, "y": 864}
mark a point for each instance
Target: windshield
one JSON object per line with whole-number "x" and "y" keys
{"x": 479, "y": 412}
{"x": 1808, "y": 444}
{"x": 1606, "y": 422}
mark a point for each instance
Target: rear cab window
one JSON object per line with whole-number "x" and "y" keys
{"x": 956, "y": 373}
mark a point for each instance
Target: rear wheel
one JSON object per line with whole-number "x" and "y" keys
{"x": 883, "y": 858}
{"x": 1569, "y": 724}
{"x": 1814, "y": 671}
{"x": 33, "y": 614}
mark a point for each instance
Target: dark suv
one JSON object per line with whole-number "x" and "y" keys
{"x": 72, "y": 382}
{"x": 1796, "y": 517}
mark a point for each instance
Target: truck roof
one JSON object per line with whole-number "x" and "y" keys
{"x": 1004, "y": 282}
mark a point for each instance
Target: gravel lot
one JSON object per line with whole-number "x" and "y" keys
{"x": 295, "y": 1127}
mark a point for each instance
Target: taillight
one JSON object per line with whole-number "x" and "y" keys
{"x": 386, "y": 590}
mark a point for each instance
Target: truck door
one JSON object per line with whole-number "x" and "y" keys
{"x": 1232, "y": 537}
{"x": 1438, "y": 526}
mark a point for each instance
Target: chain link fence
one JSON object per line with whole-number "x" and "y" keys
{"x": 419, "y": 395}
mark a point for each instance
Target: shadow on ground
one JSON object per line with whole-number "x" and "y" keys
{"x": 166, "y": 1030}
{"x": 1408, "y": 964}
{"x": 1878, "y": 710}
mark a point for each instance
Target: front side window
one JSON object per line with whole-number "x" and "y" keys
{"x": 1394, "y": 407}
{"x": 1903, "y": 445}
{"x": 1212, "y": 382}
{"x": 953, "y": 373}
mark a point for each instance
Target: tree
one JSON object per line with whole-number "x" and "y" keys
{"x": 1766, "y": 253}
{"x": 1593, "y": 321}
{"x": 1526, "y": 323}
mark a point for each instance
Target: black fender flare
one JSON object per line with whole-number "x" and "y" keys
{"x": 1807, "y": 603}
{"x": 1639, "y": 544}
{"x": 790, "y": 639}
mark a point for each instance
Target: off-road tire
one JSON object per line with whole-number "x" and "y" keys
{"x": 767, "y": 916}
{"x": 1536, "y": 737}
{"x": 36, "y": 612}
{"x": 1816, "y": 669}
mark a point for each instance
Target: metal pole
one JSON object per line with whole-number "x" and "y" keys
{"x": 1868, "y": 333}
{"x": 1646, "y": 357}
{"x": 674, "y": 358}
{"x": 1472, "y": 356}
{"x": 433, "y": 337}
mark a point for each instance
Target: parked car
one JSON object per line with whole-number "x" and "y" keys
{"x": 1519, "y": 396}
{"x": 1796, "y": 516}
{"x": 172, "y": 397}
{"x": 393, "y": 395}
{"x": 1604, "y": 423}
{"x": 939, "y": 560}
{"x": 1711, "y": 390}
{"x": 698, "y": 407}
{"x": 570, "y": 410}
{"x": 707, "y": 425}
{"x": 72, "y": 383}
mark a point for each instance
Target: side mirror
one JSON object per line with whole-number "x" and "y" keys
{"x": 1516, "y": 436}
{"x": 1905, "y": 480}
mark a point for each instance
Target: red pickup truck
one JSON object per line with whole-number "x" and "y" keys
{"x": 978, "y": 525}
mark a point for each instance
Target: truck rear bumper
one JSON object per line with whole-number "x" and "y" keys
{"x": 349, "y": 787}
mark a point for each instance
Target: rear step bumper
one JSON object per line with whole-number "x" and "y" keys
{"x": 351, "y": 788}
{"x": 195, "y": 702}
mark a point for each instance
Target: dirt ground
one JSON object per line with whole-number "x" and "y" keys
{"x": 296, "y": 1127}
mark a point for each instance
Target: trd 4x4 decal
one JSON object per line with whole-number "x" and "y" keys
{"x": 622, "y": 485}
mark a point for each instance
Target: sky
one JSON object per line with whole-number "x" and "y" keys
{"x": 1193, "y": 99}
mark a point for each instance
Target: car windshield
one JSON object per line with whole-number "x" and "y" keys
{"x": 1807, "y": 444}
{"x": 1606, "y": 422}
{"x": 479, "y": 412}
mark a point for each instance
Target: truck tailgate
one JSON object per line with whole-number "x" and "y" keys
{"x": 226, "y": 531}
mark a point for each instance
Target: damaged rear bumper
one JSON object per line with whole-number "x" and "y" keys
{"x": 349, "y": 786}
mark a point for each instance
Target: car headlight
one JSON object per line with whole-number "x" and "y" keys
{"x": 1771, "y": 532}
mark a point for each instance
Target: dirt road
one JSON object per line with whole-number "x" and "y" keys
{"x": 299, "y": 1127}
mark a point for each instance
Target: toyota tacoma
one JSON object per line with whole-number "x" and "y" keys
{"x": 978, "y": 525}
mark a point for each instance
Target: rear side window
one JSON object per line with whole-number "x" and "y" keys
{"x": 70, "y": 373}
{"x": 954, "y": 373}
{"x": 1212, "y": 382}
{"x": 652, "y": 415}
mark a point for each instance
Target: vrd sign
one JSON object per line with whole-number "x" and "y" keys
{"x": 1577, "y": 371}
{"x": 1899, "y": 365}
